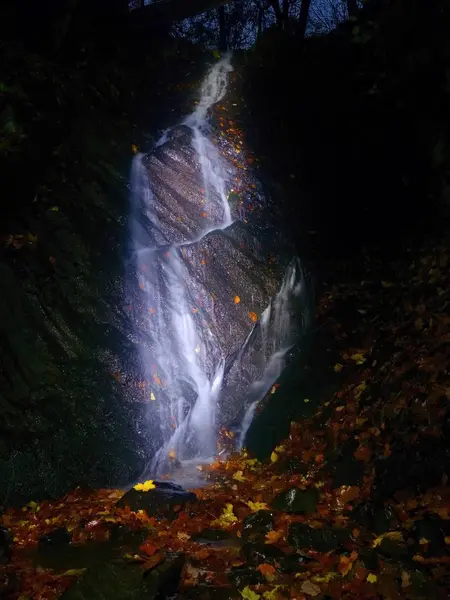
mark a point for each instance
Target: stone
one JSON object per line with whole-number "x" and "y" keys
{"x": 433, "y": 529}
{"x": 262, "y": 553}
{"x": 158, "y": 502}
{"x": 302, "y": 536}
{"x": 256, "y": 525}
{"x": 5, "y": 546}
{"x": 209, "y": 592}
{"x": 246, "y": 575}
{"x": 127, "y": 581}
{"x": 293, "y": 563}
{"x": 377, "y": 517}
{"x": 297, "y": 501}
{"x": 57, "y": 537}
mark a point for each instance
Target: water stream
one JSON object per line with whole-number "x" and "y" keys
{"x": 184, "y": 367}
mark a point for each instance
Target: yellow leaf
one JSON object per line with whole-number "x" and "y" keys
{"x": 248, "y": 594}
{"x": 255, "y": 506}
{"x": 447, "y": 539}
{"x": 184, "y": 537}
{"x": 34, "y": 506}
{"x": 152, "y": 396}
{"x": 325, "y": 578}
{"x": 338, "y": 367}
{"x": 145, "y": 487}
{"x": 358, "y": 358}
{"x": 274, "y": 457}
{"x": 227, "y": 518}
{"x": 280, "y": 449}
{"x": 134, "y": 148}
{"x": 272, "y": 594}
{"x": 424, "y": 541}
{"x": 371, "y": 578}
{"x": 396, "y": 536}
{"x": 172, "y": 454}
{"x": 72, "y": 572}
{"x": 239, "y": 476}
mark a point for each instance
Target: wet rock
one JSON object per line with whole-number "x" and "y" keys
{"x": 8, "y": 584}
{"x": 293, "y": 563}
{"x": 211, "y": 535}
{"x": 5, "y": 546}
{"x": 92, "y": 554}
{"x": 262, "y": 553}
{"x": 393, "y": 549}
{"x": 292, "y": 465}
{"x": 158, "y": 502}
{"x": 375, "y": 517}
{"x": 209, "y": 592}
{"x": 347, "y": 471}
{"x": 420, "y": 467}
{"x": 433, "y": 529}
{"x": 57, "y": 537}
{"x": 121, "y": 581}
{"x": 246, "y": 575}
{"x": 302, "y": 536}
{"x": 120, "y": 535}
{"x": 298, "y": 501}
{"x": 178, "y": 203}
{"x": 256, "y": 526}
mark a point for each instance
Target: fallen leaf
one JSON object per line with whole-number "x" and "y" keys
{"x": 310, "y": 588}
{"x": 371, "y": 578}
{"x": 226, "y": 519}
{"x": 268, "y": 571}
{"x": 239, "y": 476}
{"x": 272, "y": 537}
{"x": 145, "y": 487}
{"x": 248, "y": 594}
{"x": 256, "y": 506}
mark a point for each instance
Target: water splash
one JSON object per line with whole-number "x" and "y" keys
{"x": 175, "y": 351}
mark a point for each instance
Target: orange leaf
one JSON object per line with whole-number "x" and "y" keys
{"x": 253, "y": 316}
{"x": 272, "y": 537}
{"x": 237, "y": 299}
{"x": 268, "y": 571}
{"x": 363, "y": 453}
{"x": 149, "y": 549}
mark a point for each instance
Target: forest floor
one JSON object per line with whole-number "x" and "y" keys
{"x": 354, "y": 503}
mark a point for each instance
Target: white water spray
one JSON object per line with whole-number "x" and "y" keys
{"x": 175, "y": 352}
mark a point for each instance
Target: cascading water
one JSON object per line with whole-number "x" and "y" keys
{"x": 189, "y": 345}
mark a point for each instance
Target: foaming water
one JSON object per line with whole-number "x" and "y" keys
{"x": 175, "y": 349}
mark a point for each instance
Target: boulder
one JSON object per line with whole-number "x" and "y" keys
{"x": 158, "y": 502}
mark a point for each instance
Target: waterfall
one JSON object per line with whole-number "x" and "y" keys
{"x": 183, "y": 368}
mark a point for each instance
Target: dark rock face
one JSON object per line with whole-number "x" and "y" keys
{"x": 204, "y": 299}
{"x": 181, "y": 206}
{"x": 158, "y": 502}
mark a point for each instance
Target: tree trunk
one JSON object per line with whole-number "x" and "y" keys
{"x": 352, "y": 7}
{"x": 277, "y": 10}
{"x": 223, "y": 37}
{"x": 303, "y": 18}
{"x": 286, "y": 10}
